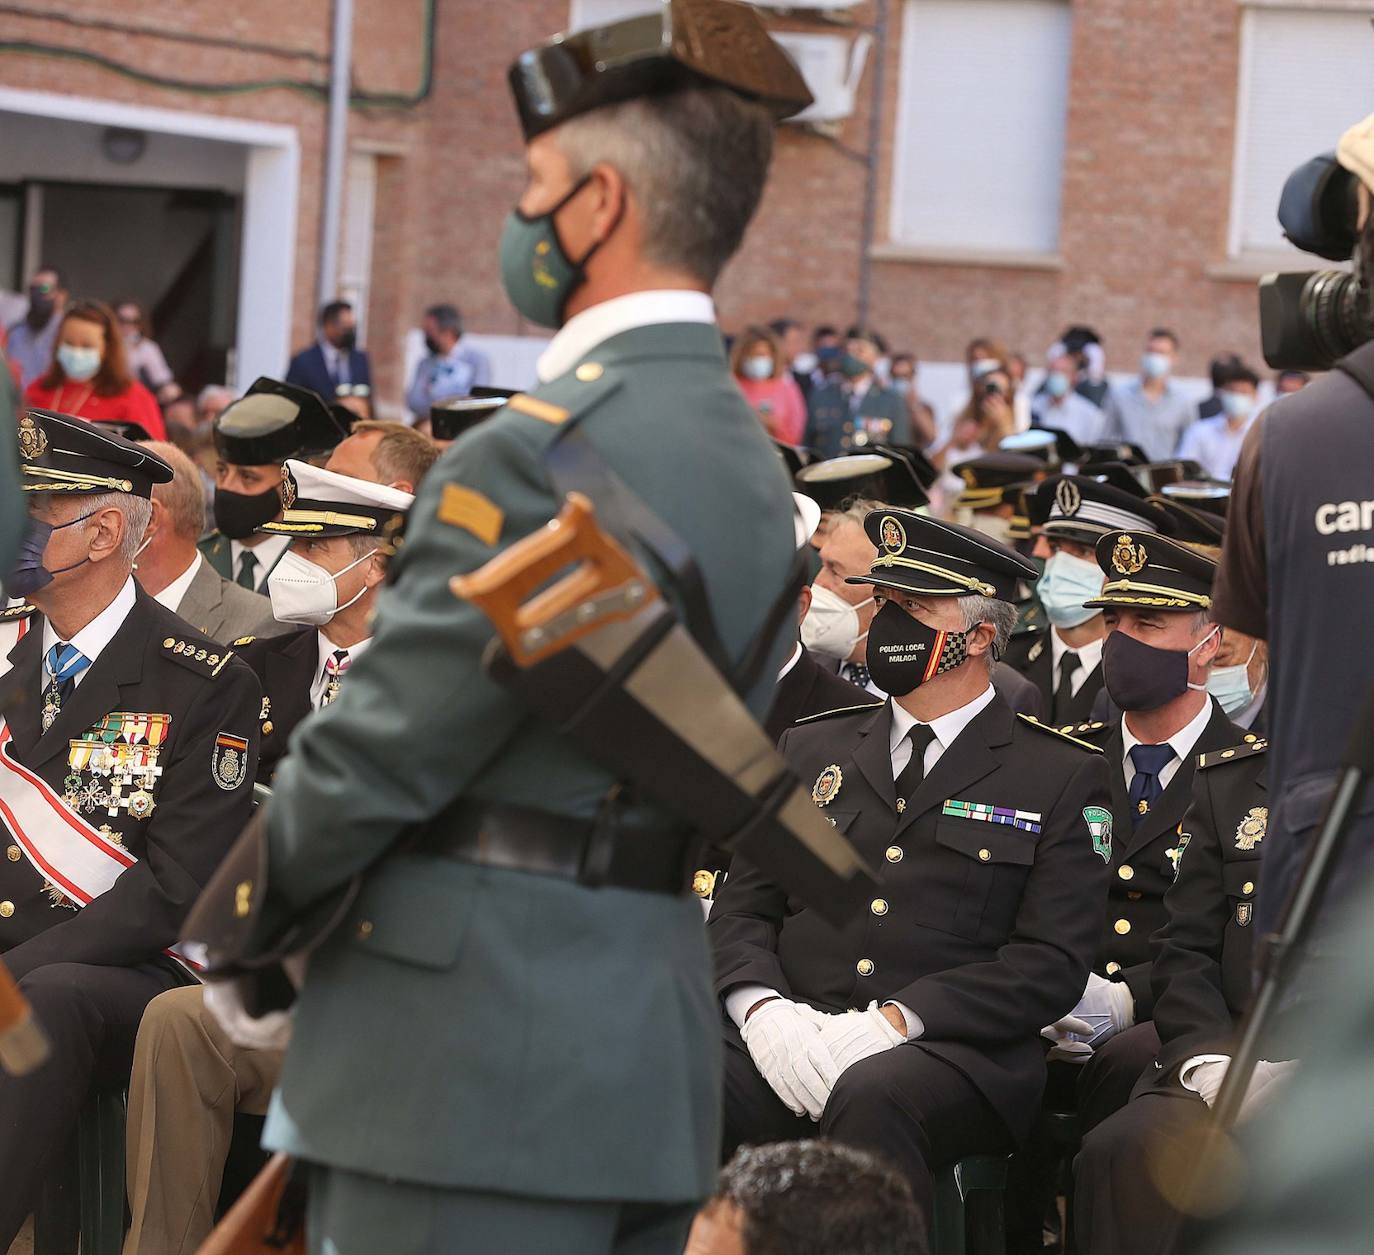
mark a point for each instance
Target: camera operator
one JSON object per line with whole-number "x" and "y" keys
{"x": 1294, "y": 567}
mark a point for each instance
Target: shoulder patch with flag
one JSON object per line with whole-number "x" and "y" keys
{"x": 1099, "y": 820}
{"x": 229, "y": 765}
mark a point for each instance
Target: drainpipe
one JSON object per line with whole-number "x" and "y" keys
{"x": 335, "y": 153}
{"x": 875, "y": 135}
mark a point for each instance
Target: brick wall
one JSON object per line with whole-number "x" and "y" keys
{"x": 1146, "y": 180}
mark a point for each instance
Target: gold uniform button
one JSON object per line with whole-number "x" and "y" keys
{"x": 1122, "y": 926}
{"x": 894, "y": 854}
{"x": 1126, "y": 871}
{"x": 878, "y": 906}
{"x": 267, "y": 728}
{"x": 365, "y": 930}
{"x": 704, "y": 883}
{"x": 984, "y": 855}
{"x": 1248, "y": 887}
{"x": 1113, "y": 968}
{"x": 1250, "y": 738}
{"x": 589, "y": 372}
{"x": 14, "y": 854}
{"x": 864, "y": 967}
{"x": 6, "y": 909}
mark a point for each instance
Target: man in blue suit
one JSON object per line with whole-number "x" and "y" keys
{"x": 334, "y": 366}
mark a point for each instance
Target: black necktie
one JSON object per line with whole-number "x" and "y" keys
{"x": 1063, "y": 694}
{"x": 1150, "y": 761}
{"x": 920, "y": 736}
{"x": 855, "y": 673}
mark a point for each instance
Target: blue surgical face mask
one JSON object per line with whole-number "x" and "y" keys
{"x": 78, "y": 364}
{"x": 1057, "y": 383}
{"x": 1066, "y": 584}
{"x": 1237, "y": 404}
{"x": 1231, "y": 685}
{"x": 28, "y": 574}
{"x": 1155, "y": 365}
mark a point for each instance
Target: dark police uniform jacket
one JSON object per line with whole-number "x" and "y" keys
{"x": 832, "y": 422}
{"x": 1144, "y": 858}
{"x": 1031, "y": 654}
{"x": 154, "y": 665}
{"x": 810, "y": 688}
{"x": 1202, "y": 972}
{"x": 986, "y": 931}
{"x": 286, "y": 667}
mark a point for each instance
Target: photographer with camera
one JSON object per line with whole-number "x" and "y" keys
{"x": 1293, "y": 569}
{"x": 984, "y": 421}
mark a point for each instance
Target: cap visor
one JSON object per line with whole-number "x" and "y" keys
{"x": 922, "y": 585}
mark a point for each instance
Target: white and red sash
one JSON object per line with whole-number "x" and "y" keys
{"x": 63, "y": 847}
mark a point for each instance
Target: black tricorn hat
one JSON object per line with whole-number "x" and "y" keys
{"x": 687, "y": 42}
{"x": 274, "y": 421}
{"x": 449, "y": 419}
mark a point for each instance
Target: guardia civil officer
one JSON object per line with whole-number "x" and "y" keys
{"x": 254, "y": 435}
{"x": 1160, "y": 647}
{"x": 1064, "y": 660}
{"x": 1135, "y": 1162}
{"x": 913, "y": 1030}
{"x": 127, "y": 771}
{"x": 489, "y": 1054}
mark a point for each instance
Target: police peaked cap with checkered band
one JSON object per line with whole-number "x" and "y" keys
{"x": 62, "y": 454}
{"x": 317, "y": 503}
{"x": 1149, "y": 572}
{"x": 1082, "y": 508}
{"x": 917, "y": 554}
{"x": 687, "y": 42}
{"x": 274, "y": 421}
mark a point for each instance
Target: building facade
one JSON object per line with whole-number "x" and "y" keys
{"x": 972, "y": 167}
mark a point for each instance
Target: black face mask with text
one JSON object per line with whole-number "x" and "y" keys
{"x": 903, "y": 653}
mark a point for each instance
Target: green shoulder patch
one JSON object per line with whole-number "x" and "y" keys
{"x": 1061, "y": 733}
{"x": 839, "y": 710}
{"x": 202, "y": 657}
{"x": 1099, "y": 821}
{"x": 1248, "y": 748}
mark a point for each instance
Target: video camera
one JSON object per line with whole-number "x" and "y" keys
{"x": 1309, "y": 320}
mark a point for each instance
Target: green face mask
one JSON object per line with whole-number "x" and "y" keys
{"x": 537, "y": 274}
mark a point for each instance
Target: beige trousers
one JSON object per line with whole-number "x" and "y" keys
{"x": 188, "y": 1080}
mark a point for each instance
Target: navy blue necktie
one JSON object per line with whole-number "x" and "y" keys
{"x": 1146, "y": 786}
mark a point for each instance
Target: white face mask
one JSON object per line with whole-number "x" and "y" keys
{"x": 804, "y": 363}
{"x": 760, "y": 366}
{"x": 831, "y": 626}
{"x": 304, "y": 592}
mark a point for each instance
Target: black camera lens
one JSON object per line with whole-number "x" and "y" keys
{"x": 992, "y": 388}
{"x": 1310, "y": 320}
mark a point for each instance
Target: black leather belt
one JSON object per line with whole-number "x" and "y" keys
{"x": 614, "y": 849}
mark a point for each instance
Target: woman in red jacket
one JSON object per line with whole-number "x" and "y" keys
{"x": 89, "y": 375}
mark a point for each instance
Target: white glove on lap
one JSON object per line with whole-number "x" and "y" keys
{"x": 787, "y": 1049}
{"x": 1266, "y": 1082}
{"x": 854, "y": 1035}
{"x": 224, "y": 1000}
{"x": 1106, "y": 1008}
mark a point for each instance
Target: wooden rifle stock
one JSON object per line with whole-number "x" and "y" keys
{"x": 22, "y": 1043}
{"x": 253, "y": 1225}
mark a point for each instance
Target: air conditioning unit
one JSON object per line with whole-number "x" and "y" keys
{"x": 832, "y": 68}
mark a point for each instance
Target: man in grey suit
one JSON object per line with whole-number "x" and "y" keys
{"x": 172, "y": 570}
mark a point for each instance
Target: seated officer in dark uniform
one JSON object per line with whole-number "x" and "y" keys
{"x": 127, "y": 768}
{"x": 341, "y": 532}
{"x": 1159, "y": 650}
{"x": 1202, "y": 977}
{"x": 913, "y": 1030}
{"x": 254, "y": 435}
{"x": 1064, "y": 660}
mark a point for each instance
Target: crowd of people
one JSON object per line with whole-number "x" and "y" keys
{"x": 999, "y": 877}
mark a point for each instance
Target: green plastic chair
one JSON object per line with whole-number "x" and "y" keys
{"x": 969, "y": 1217}
{"x": 87, "y": 1205}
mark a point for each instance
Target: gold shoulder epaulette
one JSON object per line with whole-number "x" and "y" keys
{"x": 202, "y": 657}
{"x": 244, "y": 640}
{"x": 544, "y": 411}
{"x": 1094, "y": 725}
{"x": 12, "y": 614}
{"x": 1061, "y": 733}
{"x": 839, "y": 710}
{"x": 1248, "y": 748}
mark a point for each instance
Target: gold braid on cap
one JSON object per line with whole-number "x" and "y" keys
{"x": 964, "y": 581}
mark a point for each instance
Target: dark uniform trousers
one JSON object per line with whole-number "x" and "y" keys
{"x": 984, "y": 930}
{"x": 88, "y": 974}
{"x": 1201, "y": 978}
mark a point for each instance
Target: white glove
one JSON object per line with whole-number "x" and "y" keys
{"x": 224, "y": 1000}
{"x": 787, "y": 1049}
{"x": 1265, "y": 1083}
{"x": 854, "y": 1035}
{"x": 1105, "y": 1009}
